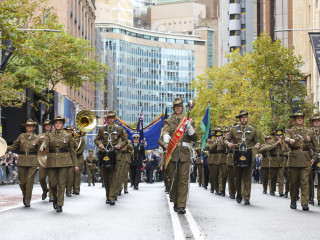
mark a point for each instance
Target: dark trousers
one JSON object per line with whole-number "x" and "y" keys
{"x": 273, "y": 179}
{"x": 136, "y": 175}
{"x": 223, "y": 172}
{"x": 214, "y": 177}
{"x": 265, "y": 177}
{"x": 206, "y": 175}
{"x": 232, "y": 190}
{"x": 149, "y": 172}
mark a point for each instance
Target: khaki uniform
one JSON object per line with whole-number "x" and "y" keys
{"x": 213, "y": 165}
{"x": 110, "y": 174}
{"x": 313, "y": 174}
{"x": 265, "y": 165}
{"x": 77, "y": 174}
{"x": 91, "y": 161}
{"x": 178, "y": 180}
{"x": 43, "y": 173}
{"x": 283, "y": 170}
{"x": 127, "y": 165}
{"x": 222, "y": 167}
{"x": 60, "y": 158}
{"x": 299, "y": 161}
{"x": 28, "y": 146}
{"x": 231, "y": 187}
{"x": 243, "y": 174}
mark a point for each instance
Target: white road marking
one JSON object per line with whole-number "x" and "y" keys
{"x": 197, "y": 234}
{"x": 177, "y": 229}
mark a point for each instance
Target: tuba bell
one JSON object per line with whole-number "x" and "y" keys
{"x": 86, "y": 121}
{"x": 3, "y": 146}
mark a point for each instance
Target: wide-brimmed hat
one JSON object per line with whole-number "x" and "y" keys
{"x": 111, "y": 113}
{"x": 68, "y": 128}
{"x": 267, "y": 136}
{"x": 46, "y": 122}
{"x": 298, "y": 113}
{"x": 58, "y": 118}
{"x": 315, "y": 116}
{"x": 177, "y": 101}
{"x": 278, "y": 132}
{"x": 226, "y": 129}
{"x": 242, "y": 113}
{"x": 218, "y": 132}
{"x": 30, "y": 122}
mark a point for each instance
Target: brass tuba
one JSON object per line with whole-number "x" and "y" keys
{"x": 86, "y": 121}
{"x": 3, "y": 146}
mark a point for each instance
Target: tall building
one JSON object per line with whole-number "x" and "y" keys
{"x": 117, "y": 11}
{"x": 152, "y": 68}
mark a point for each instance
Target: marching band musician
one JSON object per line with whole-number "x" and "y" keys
{"x": 179, "y": 168}
{"x": 80, "y": 144}
{"x": 43, "y": 173}
{"x": 247, "y": 135}
{"x": 116, "y": 133}
{"x": 127, "y": 156}
{"x": 230, "y": 173}
{"x": 28, "y": 144}
{"x": 91, "y": 161}
{"x": 61, "y": 157}
{"x": 265, "y": 170}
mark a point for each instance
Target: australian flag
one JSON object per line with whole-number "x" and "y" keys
{"x": 140, "y": 127}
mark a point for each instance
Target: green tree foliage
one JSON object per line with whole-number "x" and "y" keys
{"x": 266, "y": 82}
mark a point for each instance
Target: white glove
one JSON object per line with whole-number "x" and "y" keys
{"x": 189, "y": 128}
{"x": 166, "y": 138}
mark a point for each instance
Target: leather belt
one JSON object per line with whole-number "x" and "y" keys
{"x": 58, "y": 150}
{"x": 27, "y": 153}
{"x": 302, "y": 148}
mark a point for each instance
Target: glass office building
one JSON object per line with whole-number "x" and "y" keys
{"x": 151, "y": 70}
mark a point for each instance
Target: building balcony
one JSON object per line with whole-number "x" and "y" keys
{"x": 235, "y": 41}
{"x": 234, "y": 25}
{"x": 234, "y": 8}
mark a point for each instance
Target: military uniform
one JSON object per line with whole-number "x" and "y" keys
{"x": 299, "y": 161}
{"x": 110, "y": 173}
{"x": 28, "y": 145}
{"x": 60, "y": 158}
{"x": 243, "y": 174}
{"x": 127, "y": 159}
{"x": 80, "y": 158}
{"x": 199, "y": 166}
{"x": 91, "y": 161}
{"x": 70, "y": 178}
{"x": 136, "y": 163}
{"x": 213, "y": 165}
{"x": 179, "y": 172}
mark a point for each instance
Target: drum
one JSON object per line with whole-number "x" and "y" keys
{"x": 316, "y": 167}
{"x": 107, "y": 158}
{"x": 242, "y": 158}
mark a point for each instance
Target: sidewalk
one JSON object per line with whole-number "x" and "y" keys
{"x": 11, "y": 196}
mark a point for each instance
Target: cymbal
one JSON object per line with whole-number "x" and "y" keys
{"x": 3, "y": 146}
{"x": 42, "y": 157}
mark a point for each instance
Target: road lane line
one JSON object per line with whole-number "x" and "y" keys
{"x": 197, "y": 234}
{"x": 177, "y": 229}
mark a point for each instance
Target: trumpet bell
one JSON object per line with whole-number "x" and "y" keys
{"x": 3, "y": 146}
{"x": 86, "y": 121}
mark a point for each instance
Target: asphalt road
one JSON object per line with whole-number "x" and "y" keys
{"x": 147, "y": 214}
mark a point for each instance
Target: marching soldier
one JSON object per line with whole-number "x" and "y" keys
{"x": 316, "y": 166}
{"x": 61, "y": 157}
{"x": 91, "y": 161}
{"x": 28, "y": 144}
{"x": 129, "y": 152}
{"x": 70, "y": 178}
{"x": 231, "y": 188}
{"x": 80, "y": 143}
{"x": 137, "y": 159}
{"x": 300, "y": 140}
{"x": 265, "y": 161}
{"x": 247, "y": 135}
{"x": 222, "y": 147}
{"x": 199, "y": 164}
{"x": 43, "y": 173}
{"x": 179, "y": 166}
{"x": 116, "y": 133}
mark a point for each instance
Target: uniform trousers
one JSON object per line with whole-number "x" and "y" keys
{"x": 110, "y": 182}
{"x": 70, "y": 180}
{"x": 26, "y": 180}
{"x": 206, "y": 175}
{"x": 281, "y": 179}
{"x": 232, "y": 190}
{"x": 57, "y": 182}
{"x": 125, "y": 179}
{"x": 120, "y": 175}
{"x": 179, "y": 177}
{"x": 311, "y": 188}
{"x": 299, "y": 176}
{"x": 223, "y": 174}
{"x": 43, "y": 173}
{"x": 243, "y": 181}
{"x": 91, "y": 174}
{"x": 200, "y": 174}
{"x": 265, "y": 177}
{"x": 214, "y": 177}
{"x": 77, "y": 178}
{"x": 136, "y": 174}
{"x": 286, "y": 176}
{"x": 273, "y": 178}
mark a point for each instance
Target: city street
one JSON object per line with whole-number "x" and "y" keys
{"x": 145, "y": 214}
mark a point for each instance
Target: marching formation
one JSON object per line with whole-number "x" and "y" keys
{"x": 289, "y": 158}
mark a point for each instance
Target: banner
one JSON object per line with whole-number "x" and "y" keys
{"x": 315, "y": 42}
{"x": 151, "y": 132}
{"x": 205, "y": 126}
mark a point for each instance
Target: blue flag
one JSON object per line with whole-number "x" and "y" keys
{"x": 205, "y": 126}
{"x": 151, "y": 132}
